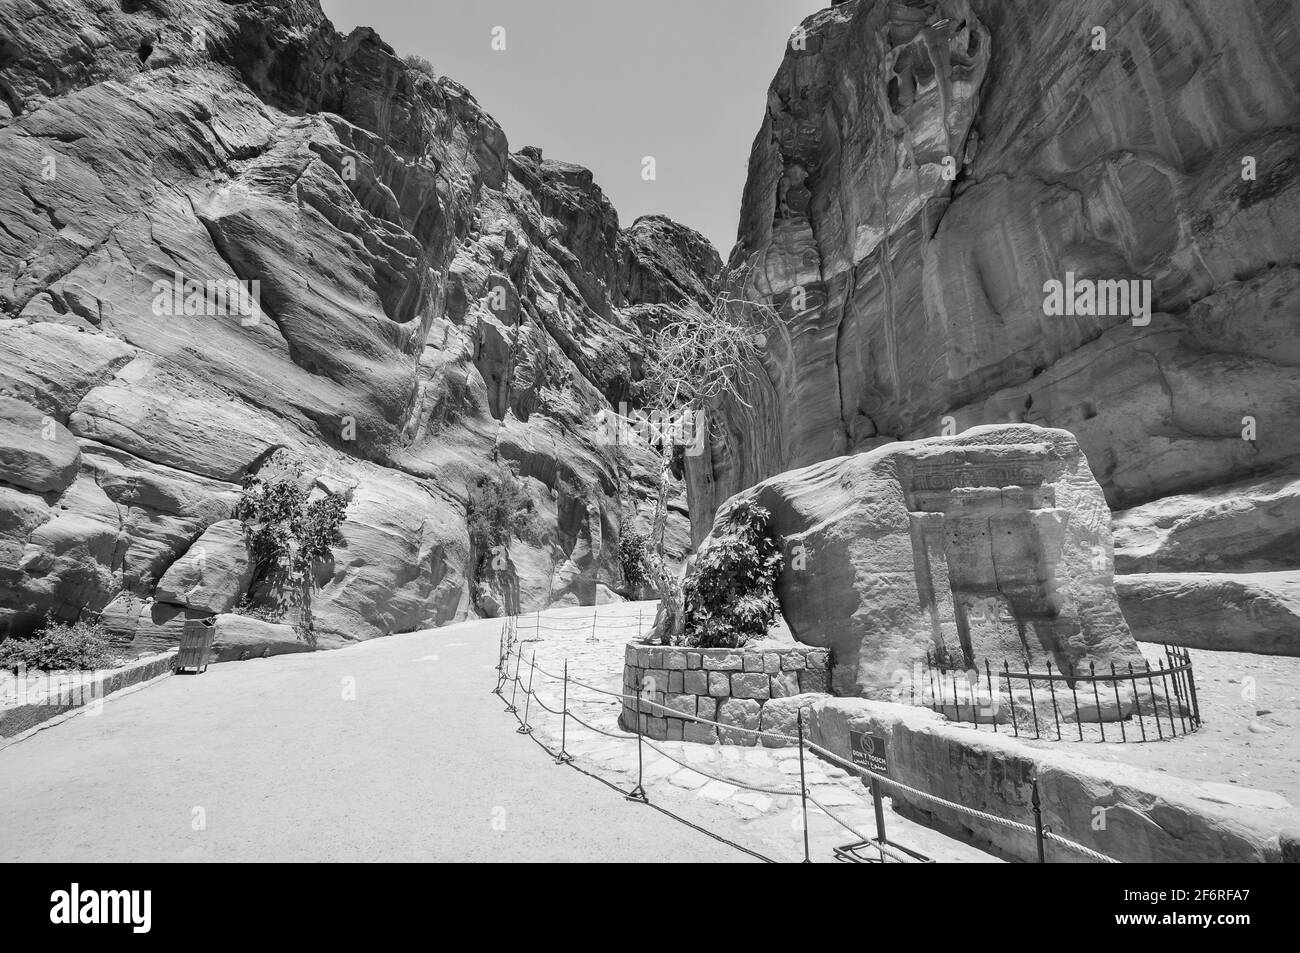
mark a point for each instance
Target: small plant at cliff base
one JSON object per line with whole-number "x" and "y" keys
{"x": 288, "y": 532}
{"x": 635, "y": 557}
{"x": 499, "y": 508}
{"x": 730, "y": 596}
{"x": 59, "y": 646}
{"x": 696, "y": 361}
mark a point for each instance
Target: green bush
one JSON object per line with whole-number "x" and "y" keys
{"x": 283, "y": 526}
{"x": 729, "y": 594}
{"x": 59, "y": 646}
{"x": 499, "y": 508}
{"x": 634, "y": 556}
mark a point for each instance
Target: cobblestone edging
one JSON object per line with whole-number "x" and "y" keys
{"x": 731, "y": 686}
{"x": 44, "y": 702}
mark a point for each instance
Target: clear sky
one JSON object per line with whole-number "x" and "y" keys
{"x": 604, "y": 83}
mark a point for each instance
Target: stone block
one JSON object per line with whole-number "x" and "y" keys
{"x": 693, "y": 660}
{"x": 719, "y": 684}
{"x": 706, "y": 708}
{"x": 700, "y": 734}
{"x": 658, "y": 679}
{"x": 813, "y": 680}
{"x": 674, "y": 659}
{"x": 754, "y": 685}
{"x": 656, "y": 728}
{"x": 675, "y": 681}
{"x": 771, "y": 662}
{"x": 682, "y": 703}
{"x": 696, "y": 683}
{"x": 793, "y": 662}
{"x": 723, "y": 661}
{"x": 656, "y": 658}
{"x": 785, "y": 684}
{"x": 738, "y": 713}
{"x": 675, "y": 726}
{"x": 753, "y": 662}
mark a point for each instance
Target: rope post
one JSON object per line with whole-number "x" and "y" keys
{"x": 638, "y": 625}
{"x": 803, "y": 792}
{"x": 592, "y": 637}
{"x": 638, "y": 792}
{"x": 514, "y": 687}
{"x": 879, "y": 803}
{"x": 501, "y": 658}
{"x": 523, "y": 728}
{"x": 1038, "y": 819}
{"x": 564, "y": 757}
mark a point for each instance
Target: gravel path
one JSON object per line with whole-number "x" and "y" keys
{"x": 392, "y": 750}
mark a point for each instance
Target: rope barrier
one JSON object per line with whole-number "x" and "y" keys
{"x": 816, "y": 748}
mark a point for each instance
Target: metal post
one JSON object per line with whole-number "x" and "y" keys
{"x": 1033, "y": 705}
{"x": 1119, "y": 711}
{"x": 592, "y": 637}
{"x": 638, "y": 625}
{"x": 1011, "y": 697}
{"x": 1096, "y": 697}
{"x": 638, "y": 792}
{"x": 1169, "y": 708}
{"x": 1074, "y": 690}
{"x": 880, "y": 813}
{"x": 803, "y": 791}
{"x": 1137, "y": 702}
{"x": 523, "y": 729}
{"x": 1155, "y": 705}
{"x": 514, "y": 686}
{"x": 564, "y": 757}
{"x": 1038, "y": 820}
{"x": 1191, "y": 688}
{"x": 1051, "y": 687}
{"x": 993, "y": 708}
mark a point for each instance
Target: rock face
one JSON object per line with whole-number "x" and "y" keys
{"x": 991, "y": 545}
{"x": 924, "y": 169}
{"x": 1231, "y": 612}
{"x": 420, "y": 308}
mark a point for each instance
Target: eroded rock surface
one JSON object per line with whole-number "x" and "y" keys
{"x": 924, "y": 168}
{"x": 431, "y": 309}
{"x": 992, "y": 545}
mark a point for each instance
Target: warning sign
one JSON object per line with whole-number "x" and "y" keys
{"x": 869, "y": 752}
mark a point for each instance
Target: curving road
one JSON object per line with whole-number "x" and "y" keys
{"x": 270, "y": 760}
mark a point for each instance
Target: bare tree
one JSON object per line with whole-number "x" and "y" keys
{"x": 696, "y": 361}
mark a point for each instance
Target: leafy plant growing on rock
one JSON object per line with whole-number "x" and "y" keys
{"x": 636, "y": 557}
{"x": 289, "y": 532}
{"x": 730, "y": 595}
{"x": 59, "y": 646}
{"x": 499, "y": 508}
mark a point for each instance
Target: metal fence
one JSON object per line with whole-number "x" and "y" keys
{"x": 989, "y": 696}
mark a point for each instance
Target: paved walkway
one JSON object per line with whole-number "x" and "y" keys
{"x": 392, "y": 750}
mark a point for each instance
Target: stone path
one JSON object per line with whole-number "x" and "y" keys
{"x": 685, "y": 781}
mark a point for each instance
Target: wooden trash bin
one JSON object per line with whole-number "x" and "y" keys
{"x": 196, "y": 646}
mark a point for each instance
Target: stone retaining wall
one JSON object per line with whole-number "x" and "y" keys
{"x": 1128, "y": 813}
{"x": 45, "y": 698}
{"x": 731, "y": 686}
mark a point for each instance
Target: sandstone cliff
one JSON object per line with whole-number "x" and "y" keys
{"x": 924, "y": 167}
{"x": 433, "y": 309}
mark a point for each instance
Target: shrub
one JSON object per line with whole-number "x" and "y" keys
{"x": 59, "y": 646}
{"x": 417, "y": 62}
{"x": 499, "y": 508}
{"x": 729, "y": 595}
{"x": 634, "y": 556}
{"x": 283, "y": 527}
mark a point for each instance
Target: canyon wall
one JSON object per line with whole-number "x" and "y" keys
{"x": 924, "y": 167}
{"x": 433, "y": 310}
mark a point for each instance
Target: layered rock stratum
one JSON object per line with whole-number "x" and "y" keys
{"x": 434, "y": 309}
{"x": 926, "y": 167}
